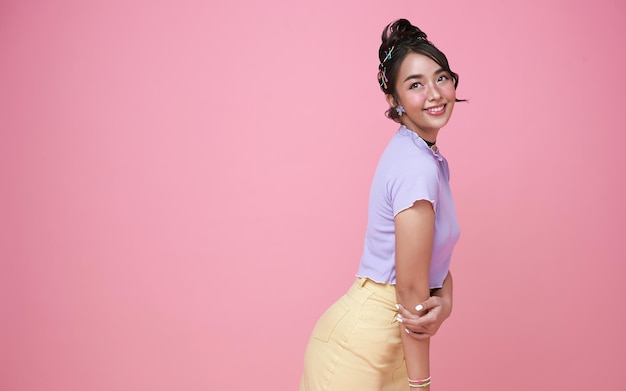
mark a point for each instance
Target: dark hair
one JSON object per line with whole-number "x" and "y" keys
{"x": 398, "y": 39}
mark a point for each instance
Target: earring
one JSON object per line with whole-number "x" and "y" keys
{"x": 399, "y": 110}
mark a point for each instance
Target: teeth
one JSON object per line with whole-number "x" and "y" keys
{"x": 436, "y": 109}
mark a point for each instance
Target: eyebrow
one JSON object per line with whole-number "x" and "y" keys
{"x": 419, "y": 76}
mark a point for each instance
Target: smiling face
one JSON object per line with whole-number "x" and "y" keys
{"x": 427, "y": 93}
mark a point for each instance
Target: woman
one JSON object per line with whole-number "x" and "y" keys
{"x": 377, "y": 336}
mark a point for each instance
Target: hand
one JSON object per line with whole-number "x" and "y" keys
{"x": 425, "y": 326}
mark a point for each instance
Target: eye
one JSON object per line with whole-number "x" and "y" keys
{"x": 415, "y": 85}
{"x": 443, "y": 78}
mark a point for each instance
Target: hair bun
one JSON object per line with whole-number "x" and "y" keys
{"x": 402, "y": 30}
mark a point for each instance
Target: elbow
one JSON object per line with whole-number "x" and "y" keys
{"x": 411, "y": 293}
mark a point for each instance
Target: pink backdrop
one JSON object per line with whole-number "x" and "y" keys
{"x": 184, "y": 189}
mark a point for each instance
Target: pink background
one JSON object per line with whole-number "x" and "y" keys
{"x": 184, "y": 189}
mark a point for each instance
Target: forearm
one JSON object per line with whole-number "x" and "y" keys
{"x": 416, "y": 352}
{"x": 416, "y": 356}
{"x": 410, "y": 295}
{"x": 414, "y": 240}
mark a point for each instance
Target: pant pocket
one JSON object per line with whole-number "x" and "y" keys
{"x": 330, "y": 320}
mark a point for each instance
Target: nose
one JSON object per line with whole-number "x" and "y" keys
{"x": 434, "y": 93}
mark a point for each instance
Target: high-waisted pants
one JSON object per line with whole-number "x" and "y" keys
{"x": 356, "y": 343}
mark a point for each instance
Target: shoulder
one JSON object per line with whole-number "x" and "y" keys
{"x": 415, "y": 165}
{"x": 404, "y": 159}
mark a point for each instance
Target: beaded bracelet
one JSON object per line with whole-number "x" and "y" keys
{"x": 419, "y": 383}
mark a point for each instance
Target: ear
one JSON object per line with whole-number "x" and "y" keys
{"x": 391, "y": 100}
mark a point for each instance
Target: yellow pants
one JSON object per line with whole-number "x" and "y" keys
{"x": 356, "y": 343}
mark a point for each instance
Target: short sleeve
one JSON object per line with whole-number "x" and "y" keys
{"x": 411, "y": 182}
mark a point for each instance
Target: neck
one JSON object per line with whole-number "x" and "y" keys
{"x": 430, "y": 137}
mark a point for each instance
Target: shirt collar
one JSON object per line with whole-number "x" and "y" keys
{"x": 420, "y": 143}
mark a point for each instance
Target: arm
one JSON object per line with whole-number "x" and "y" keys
{"x": 438, "y": 307}
{"x": 415, "y": 229}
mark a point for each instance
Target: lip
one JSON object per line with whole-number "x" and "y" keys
{"x": 436, "y": 110}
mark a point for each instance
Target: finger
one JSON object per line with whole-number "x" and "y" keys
{"x": 400, "y": 307}
{"x": 406, "y": 314}
{"x": 428, "y": 304}
{"x": 411, "y": 331}
{"x": 429, "y": 327}
{"x": 419, "y": 336}
{"x": 425, "y": 321}
{"x": 410, "y": 321}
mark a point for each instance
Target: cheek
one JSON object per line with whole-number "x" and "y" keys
{"x": 416, "y": 100}
{"x": 450, "y": 106}
{"x": 450, "y": 92}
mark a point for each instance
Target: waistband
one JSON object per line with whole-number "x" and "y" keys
{"x": 364, "y": 287}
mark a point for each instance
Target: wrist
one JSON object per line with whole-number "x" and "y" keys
{"x": 423, "y": 383}
{"x": 446, "y": 299}
{"x": 444, "y": 307}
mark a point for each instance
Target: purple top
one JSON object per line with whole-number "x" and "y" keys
{"x": 408, "y": 171}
